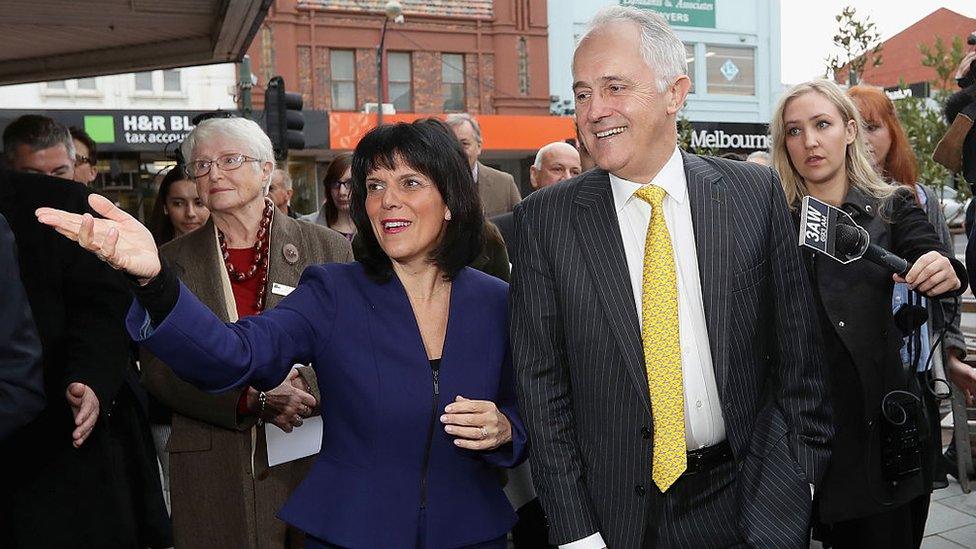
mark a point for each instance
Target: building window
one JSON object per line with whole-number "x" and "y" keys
{"x": 343, "y": 68}
{"x": 523, "y": 55}
{"x": 56, "y": 85}
{"x": 730, "y": 70}
{"x": 144, "y": 81}
{"x": 171, "y": 81}
{"x": 398, "y": 74}
{"x": 87, "y": 84}
{"x": 690, "y": 58}
{"x": 452, "y": 81}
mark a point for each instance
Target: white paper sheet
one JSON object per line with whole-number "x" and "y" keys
{"x": 300, "y": 442}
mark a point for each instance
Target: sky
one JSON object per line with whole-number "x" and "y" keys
{"x": 808, "y": 28}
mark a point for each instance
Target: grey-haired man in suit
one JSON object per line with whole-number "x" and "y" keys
{"x": 692, "y": 414}
{"x": 497, "y": 189}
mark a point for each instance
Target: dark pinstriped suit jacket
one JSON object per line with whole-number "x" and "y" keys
{"x": 582, "y": 381}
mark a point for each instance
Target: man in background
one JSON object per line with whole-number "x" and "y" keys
{"x": 86, "y": 156}
{"x": 497, "y": 189}
{"x": 554, "y": 162}
{"x": 280, "y": 192}
{"x": 37, "y": 144}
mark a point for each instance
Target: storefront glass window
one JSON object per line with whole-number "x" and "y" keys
{"x": 731, "y": 70}
{"x": 690, "y": 57}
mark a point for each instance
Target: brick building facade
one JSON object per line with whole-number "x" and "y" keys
{"x": 502, "y": 45}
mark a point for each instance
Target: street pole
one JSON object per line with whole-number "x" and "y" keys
{"x": 244, "y": 84}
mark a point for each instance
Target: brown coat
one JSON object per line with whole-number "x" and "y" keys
{"x": 498, "y": 191}
{"x": 218, "y": 499}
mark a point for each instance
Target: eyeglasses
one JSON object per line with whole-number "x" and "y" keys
{"x": 226, "y": 163}
{"x": 339, "y": 183}
{"x": 79, "y": 160}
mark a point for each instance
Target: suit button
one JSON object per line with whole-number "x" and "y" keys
{"x": 646, "y": 432}
{"x": 639, "y": 489}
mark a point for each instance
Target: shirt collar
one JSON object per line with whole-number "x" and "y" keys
{"x": 474, "y": 172}
{"x": 671, "y": 178}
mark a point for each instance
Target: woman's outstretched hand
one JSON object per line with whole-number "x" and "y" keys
{"x": 119, "y": 239}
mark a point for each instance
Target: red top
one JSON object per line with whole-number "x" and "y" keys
{"x": 245, "y": 293}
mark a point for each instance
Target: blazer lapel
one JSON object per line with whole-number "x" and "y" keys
{"x": 603, "y": 251}
{"x": 710, "y": 217}
{"x": 200, "y": 267}
{"x": 288, "y": 257}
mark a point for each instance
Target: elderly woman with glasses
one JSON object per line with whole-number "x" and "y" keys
{"x": 240, "y": 263}
{"x": 410, "y": 346}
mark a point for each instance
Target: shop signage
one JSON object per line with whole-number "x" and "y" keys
{"x": 729, "y": 136}
{"x": 682, "y": 13}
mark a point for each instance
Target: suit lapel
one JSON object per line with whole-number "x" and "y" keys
{"x": 710, "y": 217}
{"x": 603, "y": 251}
{"x": 288, "y": 257}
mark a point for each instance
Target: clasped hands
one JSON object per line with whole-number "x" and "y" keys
{"x": 287, "y": 405}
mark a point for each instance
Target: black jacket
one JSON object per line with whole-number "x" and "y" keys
{"x": 54, "y": 495}
{"x": 862, "y": 346}
{"x": 21, "y": 390}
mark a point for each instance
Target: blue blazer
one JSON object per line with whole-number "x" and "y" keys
{"x": 366, "y": 486}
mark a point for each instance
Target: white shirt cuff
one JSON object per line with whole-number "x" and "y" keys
{"x": 594, "y": 541}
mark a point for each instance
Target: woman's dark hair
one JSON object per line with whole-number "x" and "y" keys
{"x": 338, "y": 167}
{"x": 429, "y": 147}
{"x": 159, "y": 224}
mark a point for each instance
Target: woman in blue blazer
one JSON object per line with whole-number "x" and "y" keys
{"x": 409, "y": 345}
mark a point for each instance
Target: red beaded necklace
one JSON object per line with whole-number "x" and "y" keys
{"x": 262, "y": 255}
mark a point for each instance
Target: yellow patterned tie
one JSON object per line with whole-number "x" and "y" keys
{"x": 662, "y": 348}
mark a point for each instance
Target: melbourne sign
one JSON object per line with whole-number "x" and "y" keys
{"x": 729, "y": 136}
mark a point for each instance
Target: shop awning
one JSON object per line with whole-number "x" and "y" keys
{"x": 57, "y": 39}
{"x": 500, "y": 133}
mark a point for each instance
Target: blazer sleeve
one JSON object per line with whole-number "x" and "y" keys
{"x": 803, "y": 394}
{"x": 258, "y": 351}
{"x": 21, "y": 372}
{"x": 544, "y": 392}
{"x": 912, "y": 236}
{"x": 511, "y": 454}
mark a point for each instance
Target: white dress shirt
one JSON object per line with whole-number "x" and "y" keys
{"x": 704, "y": 424}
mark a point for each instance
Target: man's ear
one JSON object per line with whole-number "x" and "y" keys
{"x": 677, "y": 93}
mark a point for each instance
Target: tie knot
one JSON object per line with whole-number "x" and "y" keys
{"x": 652, "y": 194}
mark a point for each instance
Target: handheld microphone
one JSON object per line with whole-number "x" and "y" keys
{"x": 851, "y": 241}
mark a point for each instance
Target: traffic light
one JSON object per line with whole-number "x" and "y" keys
{"x": 283, "y": 118}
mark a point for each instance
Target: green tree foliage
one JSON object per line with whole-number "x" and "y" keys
{"x": 922, "y": 118}
{"x": 943, "y": 60}
{"x": 859, "y": 43}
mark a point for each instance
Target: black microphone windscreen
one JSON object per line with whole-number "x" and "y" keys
{"x": 848, "y": 239}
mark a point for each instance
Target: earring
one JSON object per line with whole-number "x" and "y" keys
{"x": 447, "y": 215}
